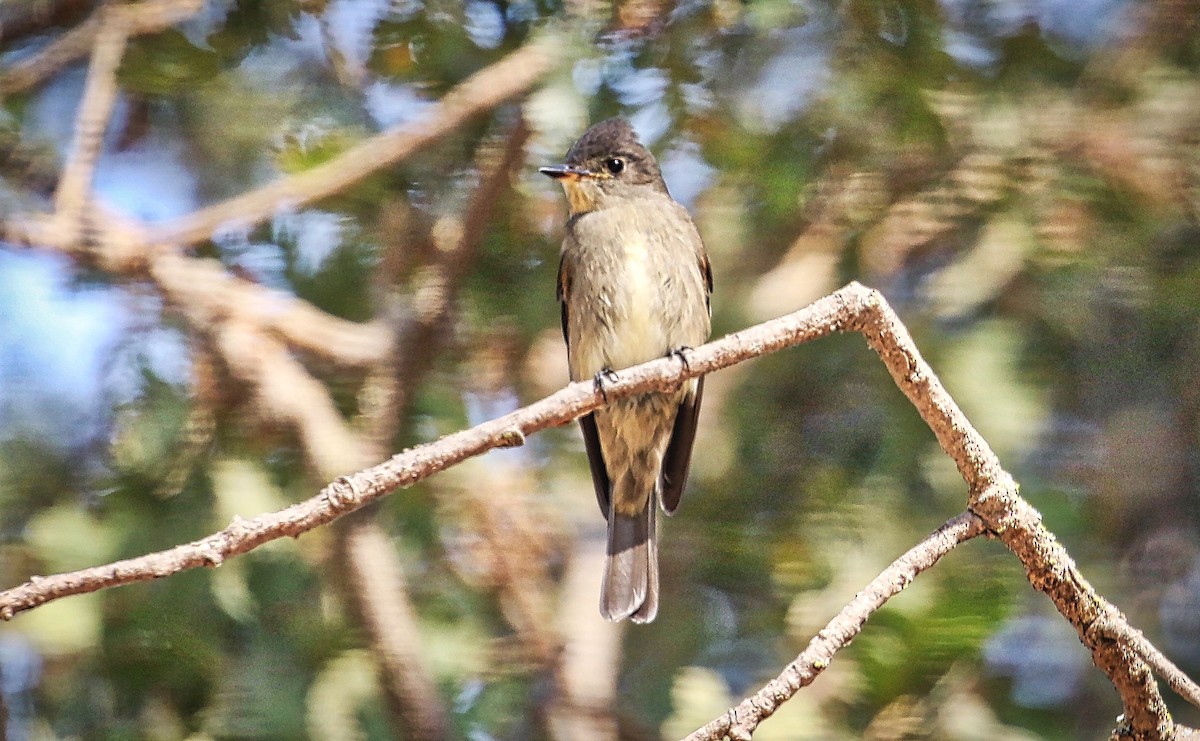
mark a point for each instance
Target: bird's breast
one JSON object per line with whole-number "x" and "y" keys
{"x": 636, "y": 291}
{"x": 620, "y": 310}
{"x": 640, "y": 329}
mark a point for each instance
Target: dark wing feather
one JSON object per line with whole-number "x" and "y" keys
{"x": 587, "y": 423}
{"x": 564, "y": 287}
{"x": 591, "y": 443}
{"x": 679, "y": 451}
{"x": 678, "y": 458}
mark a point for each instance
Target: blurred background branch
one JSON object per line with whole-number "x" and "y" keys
{"x": 95, "y": 111}
{"x": 84, "y": 39}
{"x": 284, "y": 391}
{"x": 508, "y": 78}
{"x": 376, "y": 588}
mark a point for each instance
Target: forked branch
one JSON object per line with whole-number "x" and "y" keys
{"x": 994, "y": 505}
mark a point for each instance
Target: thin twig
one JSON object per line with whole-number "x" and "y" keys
{"x": 504, "y": 80}
{"x": 1181, "y": 683}
{"x": 740, "y": 722}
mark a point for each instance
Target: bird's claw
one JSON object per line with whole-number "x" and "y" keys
{"x": 681, "y": 353}
{"x": 605, "y": 374}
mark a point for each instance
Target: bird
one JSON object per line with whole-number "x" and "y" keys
{"x": 634, "y": 284}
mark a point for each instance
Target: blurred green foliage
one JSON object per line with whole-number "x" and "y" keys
{"x": 1036, "y": 227}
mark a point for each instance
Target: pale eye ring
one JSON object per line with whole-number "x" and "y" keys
{"x": 614, "y": 165}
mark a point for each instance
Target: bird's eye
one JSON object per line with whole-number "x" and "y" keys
{"x": 615, "y": 165}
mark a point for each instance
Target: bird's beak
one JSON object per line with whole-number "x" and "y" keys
{"x": 571, "y": 172}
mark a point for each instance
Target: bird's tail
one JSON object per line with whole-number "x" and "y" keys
{"x": 630, "y": 587}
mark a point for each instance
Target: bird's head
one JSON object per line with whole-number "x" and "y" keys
{"x": 607, "y": 164}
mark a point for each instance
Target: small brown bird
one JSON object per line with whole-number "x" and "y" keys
{"x": 634, "y": 283}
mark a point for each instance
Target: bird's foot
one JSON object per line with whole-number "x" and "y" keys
{"x": 681, "y": 353}
{"x": 605, "y": 374}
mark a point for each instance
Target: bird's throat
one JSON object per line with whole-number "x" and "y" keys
{"x": 581, "y": 196}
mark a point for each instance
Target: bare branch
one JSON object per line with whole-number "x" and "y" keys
{"x": 993, "y": 494}
{"x": 1181, "y": 683}
{"x": 350, "y": 493}
{"x": 502, "y": 81}
{"x": 739, "y": 723}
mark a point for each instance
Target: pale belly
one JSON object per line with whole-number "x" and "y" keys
{"x": 625, "y": 321}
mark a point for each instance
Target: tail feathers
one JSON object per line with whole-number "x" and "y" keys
{"x": 630, "y": 588}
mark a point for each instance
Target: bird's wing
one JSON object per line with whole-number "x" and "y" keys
{"x": 591, "y": 443}
{"x": 678, "y": 458}
{"x": 587, "y": 423}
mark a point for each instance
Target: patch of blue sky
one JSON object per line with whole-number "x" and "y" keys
{"x": 687, "y": 173}
{"x": 55, "y": 341}
{"x": 975, "y": 28}
{"x": 351, "y": 27}
{"x": 485, "y": 23}
{"x": 148, "y": 180}
{"x": 795, "y": 74}
{"x": 50, "y": 115}
{"x": 393, "y": 105}
{"x": 315, "y": 234}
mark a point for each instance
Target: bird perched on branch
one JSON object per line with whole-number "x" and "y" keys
{"x": 634, "y": 283}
